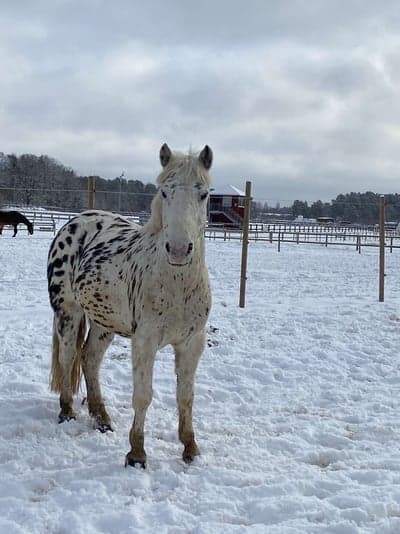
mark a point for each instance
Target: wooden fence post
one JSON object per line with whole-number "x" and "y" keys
{"x": 245, "y": 244}
{"x": 381, "y": 248}
{"x": 91, "y": 192}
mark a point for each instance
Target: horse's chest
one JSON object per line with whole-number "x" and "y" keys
{"x": 181, "y": 313}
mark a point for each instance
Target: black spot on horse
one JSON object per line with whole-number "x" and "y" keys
{"x": 99, "y": 226}
{"x": 80, "y": 278}
{"x": 57, "y": 263}
{"x": 68, "y": 240}
{"x": 59, "y": 273}
{"x": 81, "y": 240}
{"x": 54, "y": 289}
{"x": 61, "y": 244}
{"x": 102, "y": 259}
{"x": 72, "y": 228}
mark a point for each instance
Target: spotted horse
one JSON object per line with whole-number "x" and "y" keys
{"x": 107, "y": 276}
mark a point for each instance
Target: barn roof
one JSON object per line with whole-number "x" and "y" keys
{"x": 230, "y": 190}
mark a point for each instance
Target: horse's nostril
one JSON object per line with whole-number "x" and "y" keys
{"x": 167, "y": 247}
{"x": 190, "y": 248}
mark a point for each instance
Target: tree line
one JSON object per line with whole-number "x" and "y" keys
{"x": 359, "y": 208}
{"x": 30, "y": 180}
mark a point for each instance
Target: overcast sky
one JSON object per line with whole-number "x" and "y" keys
{"x": 302, "y": 97}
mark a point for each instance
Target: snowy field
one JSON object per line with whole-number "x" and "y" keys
{"x": 296, "y": 409}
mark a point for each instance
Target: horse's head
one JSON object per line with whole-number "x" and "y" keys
{"x": 180, "y": 206}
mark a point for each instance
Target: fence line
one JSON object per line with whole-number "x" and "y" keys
{"x": 280, "y": 235}
{"x": 357, "y": 236}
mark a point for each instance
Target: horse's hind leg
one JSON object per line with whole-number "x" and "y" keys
{"x": 15, "y": 230}
{"x": 97, "y": 342}
{"x": 187, "y": 356}
{"x": 69, "y": 328}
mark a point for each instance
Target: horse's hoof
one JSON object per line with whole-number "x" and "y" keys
{"x": 133, "y": 463}
{"x": 62, "y": 418}
{"x": 190, "y": 452}
{"x": 105, "y": 427}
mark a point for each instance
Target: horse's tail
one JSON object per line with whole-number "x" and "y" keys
{"x": 56, "y": 372}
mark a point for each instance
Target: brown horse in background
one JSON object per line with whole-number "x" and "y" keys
{"x": 14, "y": 218}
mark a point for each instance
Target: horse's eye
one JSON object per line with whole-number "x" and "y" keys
{"x": 164, "y": 194}
{"x": 203, "y": 196}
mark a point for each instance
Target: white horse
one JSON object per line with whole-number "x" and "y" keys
{"x": 148, "y": 283}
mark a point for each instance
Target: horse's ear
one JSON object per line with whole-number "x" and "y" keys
{"x": 165, "y": 155}
{"x": 206, "y": 157}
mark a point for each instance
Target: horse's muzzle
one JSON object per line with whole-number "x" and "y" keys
{"x": 178, "y": 255}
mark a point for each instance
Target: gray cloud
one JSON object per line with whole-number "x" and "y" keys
{"x": 301, "y": 97}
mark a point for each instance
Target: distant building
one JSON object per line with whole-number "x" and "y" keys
{"x": 226, "y": 206}
{"x": 325, "y": 220}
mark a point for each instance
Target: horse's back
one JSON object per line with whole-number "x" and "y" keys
{"x": 97, "y": 221}
{"x": 10, "y": 217}
{"x": 89, "y": 228}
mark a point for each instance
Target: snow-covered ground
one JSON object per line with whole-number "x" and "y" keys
{"x": 296, "y": 409}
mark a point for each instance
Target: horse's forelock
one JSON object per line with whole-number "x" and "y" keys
{"x": 185, "y": 168}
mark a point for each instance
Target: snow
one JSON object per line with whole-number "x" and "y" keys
{"x": 227, "y": 190}
{"x": 296, "y": 408}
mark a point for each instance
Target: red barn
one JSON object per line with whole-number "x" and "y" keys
{"x": 226, "y": 206}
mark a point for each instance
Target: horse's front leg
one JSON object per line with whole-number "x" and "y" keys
{"x": 187, "y": 356}
{"x": 143, "y": 356}
{"x": 15, "y": 230}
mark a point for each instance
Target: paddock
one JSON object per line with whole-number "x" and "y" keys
{"x": 296, "y": 405}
